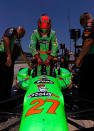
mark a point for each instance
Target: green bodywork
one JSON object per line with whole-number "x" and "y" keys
{"x": 43, "y": 42}
{"x": 43, "y": 107}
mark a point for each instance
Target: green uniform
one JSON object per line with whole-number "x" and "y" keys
{"x": 43, "y": 45}
{"x": 6, "y": 73}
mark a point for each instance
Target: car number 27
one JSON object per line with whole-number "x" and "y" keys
{"x": 34, "y": 110}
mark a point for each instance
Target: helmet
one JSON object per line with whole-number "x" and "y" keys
{"x": 44, "y": 24}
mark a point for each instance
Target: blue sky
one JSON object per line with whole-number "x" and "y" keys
{"x": 27, "y": 12}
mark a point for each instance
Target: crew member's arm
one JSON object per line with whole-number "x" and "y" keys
{"x": 25, "y": 59}
{"x": 7, "y": 49}
{"x": 86, "y": 47}
{"x": 88, "y": 39}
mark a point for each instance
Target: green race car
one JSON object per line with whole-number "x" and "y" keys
{"x": 43, "y": 107}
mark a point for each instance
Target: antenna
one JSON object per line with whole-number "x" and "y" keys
{"x": 69, "y": 23}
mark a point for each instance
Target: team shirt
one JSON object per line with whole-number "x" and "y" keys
{"x": 15, "y": 46}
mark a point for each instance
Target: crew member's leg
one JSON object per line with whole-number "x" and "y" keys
{"x": 10, "y": 75}
{"x": 83, "y": 79}
{"x": 90, "y": 76}
{"x": 3, "y": 76}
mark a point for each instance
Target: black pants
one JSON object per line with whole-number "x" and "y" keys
{"x": 86, "y": 75}
{"x": 6, "y": 77}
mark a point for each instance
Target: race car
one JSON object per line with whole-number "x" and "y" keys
{"x": 43, "y": 106}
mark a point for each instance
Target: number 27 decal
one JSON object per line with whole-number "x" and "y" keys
{"x": 34, "y": 110}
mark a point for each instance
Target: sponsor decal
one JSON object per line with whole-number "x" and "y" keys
{"x": 42, "y": 92}
{"x": 43, "y": 41}
{"x": 42, "y": 88}
{"x": 44, "y": 80}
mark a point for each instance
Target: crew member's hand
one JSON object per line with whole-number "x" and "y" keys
{"x": 8, "y": 62}
{"x": 30, "y": 66}
{"x": 47, "y": 62}
{"x": 39, "y": 60}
